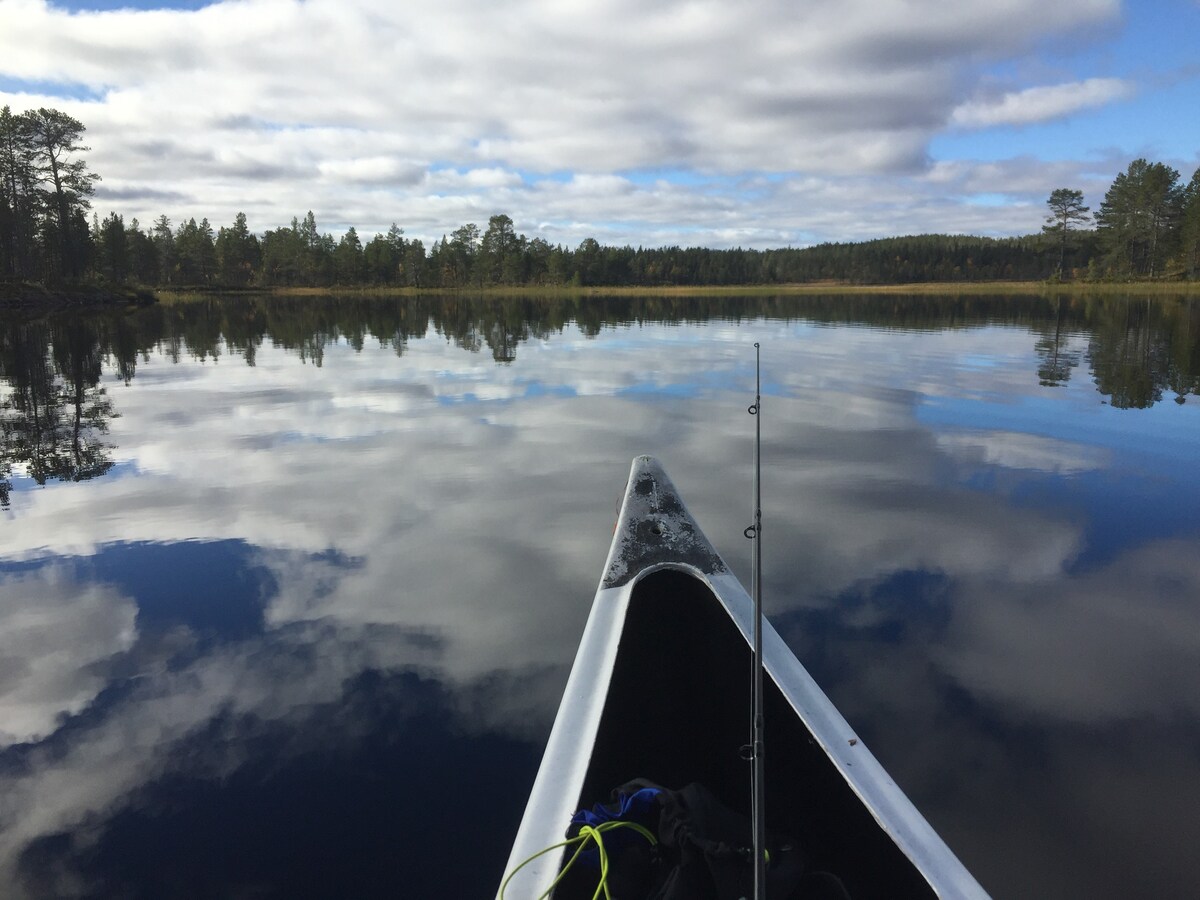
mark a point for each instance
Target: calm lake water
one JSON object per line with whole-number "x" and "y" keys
{"x": 289, "y": 588}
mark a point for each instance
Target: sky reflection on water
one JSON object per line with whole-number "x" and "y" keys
{"x": 309, "y": 605}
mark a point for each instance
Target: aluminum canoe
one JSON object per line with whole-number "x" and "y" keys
{"x": 660, "y": 689}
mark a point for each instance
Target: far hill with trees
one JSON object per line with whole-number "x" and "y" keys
{"x": 1147, "y": 227}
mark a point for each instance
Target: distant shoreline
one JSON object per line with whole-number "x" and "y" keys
{"x": 28, "y": 298}
{"x": 1030, "y": 288}
{"x": 23, "y": 297}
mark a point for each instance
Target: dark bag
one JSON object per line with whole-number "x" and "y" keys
{"x": 703, "y": 852}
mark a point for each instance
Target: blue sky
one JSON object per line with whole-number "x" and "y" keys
{"x": 1153, "y": 46}
{"x": 130, "y": 4}
{"x": 765, "y": 123}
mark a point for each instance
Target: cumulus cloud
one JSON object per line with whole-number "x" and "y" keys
{"x": 356, "y": 109}
{"x": 1040, "y": 104}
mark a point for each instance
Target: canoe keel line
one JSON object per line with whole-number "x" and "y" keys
{"x": 655, "y": 699}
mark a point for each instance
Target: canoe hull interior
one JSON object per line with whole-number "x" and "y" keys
{"x": 678, "y": 711}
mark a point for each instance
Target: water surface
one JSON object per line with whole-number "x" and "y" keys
{"x": 289, "y": 589}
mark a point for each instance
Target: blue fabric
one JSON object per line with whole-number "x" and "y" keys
{"x": 640, "y": 807}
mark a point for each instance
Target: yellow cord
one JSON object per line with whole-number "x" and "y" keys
{"x": 586, "y": 833}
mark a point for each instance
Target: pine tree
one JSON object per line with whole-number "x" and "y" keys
{"x": 56, "y": 139}
{"x": 1189, "y": 226}
{"x": 19, "y": 201}
{"x": 1066, "y": 212}
{"x": 1138, "y": 215}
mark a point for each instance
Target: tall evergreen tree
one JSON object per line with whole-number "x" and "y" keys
{"x": 112, "y": 249}
{"x": 239, "y": 255}
{"x": 589, "y": 262}
{"x": 348, "y": 259}
{"x": 56, "y": 139}
{"x": 464, "y": 250}
{"x": 383, "y": 257}
{"x": 196, "y": 253}
{"x": 164, "y": 245}
{"x": 143, "y": 255}
{"x": 1067, "y": 213}
{"x": 316, "y": 260}
{"x": 1189, "y": 226}
{"x": 415, "y": 265}
{"x": 19, "y": 201}
{"x": 282, "y": 256}
{"x": 1135, "y": 220}
{"x": 496, "y": 249}
{"x": 537, "y": 253}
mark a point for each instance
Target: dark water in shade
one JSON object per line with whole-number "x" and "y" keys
{"x": 289, "y": 589}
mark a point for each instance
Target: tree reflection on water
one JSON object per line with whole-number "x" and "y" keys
{"x": 55, "y": 414}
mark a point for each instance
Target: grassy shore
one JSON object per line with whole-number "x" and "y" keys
{"x": 987, "y": 288}
{"x": 25, "y": 297}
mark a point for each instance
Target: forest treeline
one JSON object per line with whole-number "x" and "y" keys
{"x": 1147, "y": 227}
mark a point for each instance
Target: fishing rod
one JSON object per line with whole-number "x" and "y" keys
{"x": 757, "y": 777}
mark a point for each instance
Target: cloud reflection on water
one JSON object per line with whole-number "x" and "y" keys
{"x": 1022, "y": 451}
{"x": 56, "y": 634}
{"x": 477, "y": 528}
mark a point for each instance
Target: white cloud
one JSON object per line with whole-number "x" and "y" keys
{"x": 1040, "y": 104}
{"x": 380, "y": 170}
{"x": 357, "y": 109}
